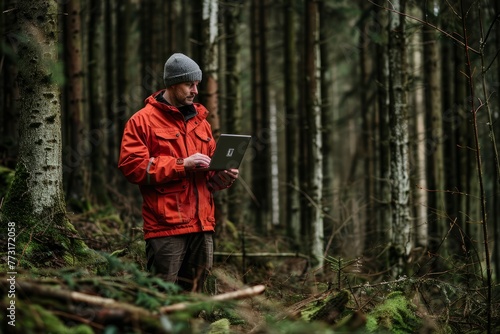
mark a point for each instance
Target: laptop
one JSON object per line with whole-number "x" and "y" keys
{"x": 229, "y": 152}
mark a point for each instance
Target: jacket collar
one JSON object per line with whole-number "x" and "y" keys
{"x": 201, "y": 113}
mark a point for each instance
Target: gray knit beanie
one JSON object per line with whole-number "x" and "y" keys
{"x": 180, "y": 68}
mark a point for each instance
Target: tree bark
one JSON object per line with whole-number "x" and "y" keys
{"x": 9, "y": 90}
{"x": 233, "y": 103}
{"x": 314, "y": 138}
{"x": 433, "y": 136}
{"x": 98, "y": 134}
{"x": 398, "y": 122}
{"x": 76, "y": 161}
{"x": 292, "y": 129}
{"x": 384, "y": 165}
{"x": 367, "y": 137}
{"x": 261, "y": 215}
{"x": 35, "y": 202}
{"x": 417, "y": 144}
{"x": 209, "y": 94}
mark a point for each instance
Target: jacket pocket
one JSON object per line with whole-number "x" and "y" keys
{"x": 203, "y": 141}
{"x": 168, "y": 142}
{"x": 174, "y": 206}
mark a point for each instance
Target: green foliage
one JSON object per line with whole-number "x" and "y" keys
{"x": 395, "y": 315}
{"x": 219, "y": 311}
{"x": 34, "y": 318}
{"x": 334, "y": 305}
{"x": 296, "y": 326}
{"x": 339, "y": 265}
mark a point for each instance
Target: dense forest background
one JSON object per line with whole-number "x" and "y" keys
{"x": 375, "y": 136}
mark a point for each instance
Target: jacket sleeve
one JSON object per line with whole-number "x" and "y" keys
{"x": 136, "y": 163}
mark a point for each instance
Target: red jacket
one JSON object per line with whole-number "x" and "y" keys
{"x": 154, "y": 139}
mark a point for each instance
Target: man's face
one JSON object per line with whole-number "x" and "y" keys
{"x": 184, "y": 93}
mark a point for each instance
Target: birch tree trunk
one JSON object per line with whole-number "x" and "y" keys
{"x": 314, "y": 138}
{"x": 398, "y": 121}
{"x": 209, "y": 94}
{"x": 210, "y": 64}
{"x": 35, "y": 202}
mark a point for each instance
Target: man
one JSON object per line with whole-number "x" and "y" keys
{"x": 162, "y": 145}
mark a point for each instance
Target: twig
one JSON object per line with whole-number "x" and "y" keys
{"x": 239, "y": 294}
{"x": 429, "y": 25}
{"x": 302, "y": 256}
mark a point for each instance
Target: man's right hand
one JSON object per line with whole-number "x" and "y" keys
{"x": 196, "y": 160}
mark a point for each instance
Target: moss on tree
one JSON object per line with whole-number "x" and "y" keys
{"x": 47, "y": 238}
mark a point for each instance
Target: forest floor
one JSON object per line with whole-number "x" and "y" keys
{"x": 346, "y": 296}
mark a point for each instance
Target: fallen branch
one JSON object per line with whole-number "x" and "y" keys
{"x": 302, "y": 256}
{"x": 239, "y": 294}
{"x": 31, "y": 289}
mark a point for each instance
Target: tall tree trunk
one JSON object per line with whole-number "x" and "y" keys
{"x": 384, "y": 163}
{"x": 210, "y": 63}
{"x": 398, "y": 121}
{"x": 233, "y": 107}
{"x": 9, "y": 90}
{"x": 465, "y": 163}
{"x": 110, "y": 88}
{"x": 450, "y": 148}
{"x": 98, "y": 133}
{"x": 496, "y": 187}
{"x": 209, "y": 94}
{"x": 292, "y": 128}
{"x": 365, "y": 62}
{"x": 417, "y": 144}
{"x": 76, "y": 160}
{"x": 434, "y": 135}
{"x": 35, "y": 202}
{"x": 260, "y": 118}
{"x": 327, "y": 118}
{"x": 314, "y": 139}
{"x": 122, "y": 36}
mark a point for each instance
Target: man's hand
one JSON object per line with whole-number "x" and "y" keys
{"x": 196, "y": 160}
{"x": 233, "y": 174}
{"x": 226, "y": 178}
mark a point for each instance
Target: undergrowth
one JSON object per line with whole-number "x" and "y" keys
{"x": 345, "y": 297}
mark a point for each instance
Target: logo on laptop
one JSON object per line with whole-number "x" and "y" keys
{"x": 230, "y": 152}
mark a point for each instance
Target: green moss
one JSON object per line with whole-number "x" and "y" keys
{"x": 395, "y": 315}
{"x": 47, "y": 238}
{"x": 16, "y": 206}
{"x": 220, "y": 326}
